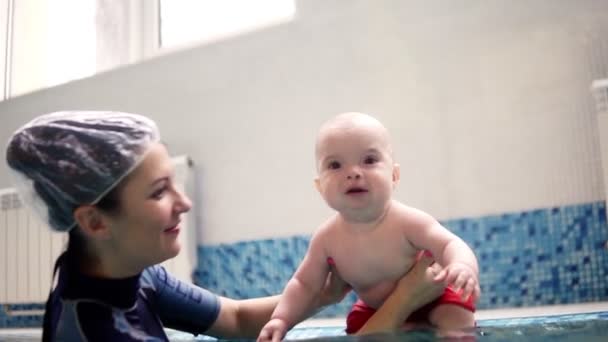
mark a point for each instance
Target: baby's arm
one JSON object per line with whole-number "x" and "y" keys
{"x": 460, "y": 264}
{"x": 299, "y": 296}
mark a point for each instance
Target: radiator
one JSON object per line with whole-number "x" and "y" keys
{"x": 28, "y": 248}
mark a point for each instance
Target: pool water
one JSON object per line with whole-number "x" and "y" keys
{"x": 572, "y": 327}
{"x": 590, "y": 330}
{"x": 586, "y": 331}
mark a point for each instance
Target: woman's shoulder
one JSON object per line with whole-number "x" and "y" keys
{"x": 156, "y": 277}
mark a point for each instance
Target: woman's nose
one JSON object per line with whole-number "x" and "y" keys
{"x": 183, "y": 203}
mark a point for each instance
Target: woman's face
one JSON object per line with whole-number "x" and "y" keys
{"x": 144, "y": 231}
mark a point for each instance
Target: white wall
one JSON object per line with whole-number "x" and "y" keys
{"x": 600, "y": 92}
{"x": 488, "y": 103}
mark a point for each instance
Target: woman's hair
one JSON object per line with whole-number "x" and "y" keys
{"x": 67, "y": 159}
{"x": 110, "y": 203}
{"x": 77, "y": 250}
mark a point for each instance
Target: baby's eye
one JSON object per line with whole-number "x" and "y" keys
{"x": 334, "y": 165}
{"x": 370, "y": 160}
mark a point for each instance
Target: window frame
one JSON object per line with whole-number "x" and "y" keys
{"x": 6, "y": 37}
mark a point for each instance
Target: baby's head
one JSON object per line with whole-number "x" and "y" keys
{"x": 348, "y": 124}
{"x": 355, "y": 164}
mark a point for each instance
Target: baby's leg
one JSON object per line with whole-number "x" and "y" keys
{"x": 451, "y": 317}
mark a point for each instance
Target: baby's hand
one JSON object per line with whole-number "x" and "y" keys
{"x": 273, "y": 331}
{"x": 462, "y": 278}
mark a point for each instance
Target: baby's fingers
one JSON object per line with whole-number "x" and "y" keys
{"x": 269, "y": 334}
{"x": 276, "y": 336}
{"x": 468, "y": 290}
{"x": 264, "y": 336}
{"x": 448, "y": 276}
{"x": 476, "y": 293}
{"x": 272, "y": 336}
{"x": 461, "y": 282}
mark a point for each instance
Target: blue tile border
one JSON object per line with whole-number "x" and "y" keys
{"x": 538, "y": 257}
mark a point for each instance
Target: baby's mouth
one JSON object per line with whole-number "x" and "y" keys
{"x": 355, "y": 190}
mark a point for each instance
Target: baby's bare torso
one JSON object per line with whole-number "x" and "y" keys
{"x": 371, "y": 261}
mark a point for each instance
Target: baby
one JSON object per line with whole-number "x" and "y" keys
{"x": 373, "y": 240}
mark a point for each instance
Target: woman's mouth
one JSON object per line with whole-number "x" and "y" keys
{"x": 172, "y": 230}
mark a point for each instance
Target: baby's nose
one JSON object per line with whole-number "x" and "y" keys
{"x": 354, "y": 173}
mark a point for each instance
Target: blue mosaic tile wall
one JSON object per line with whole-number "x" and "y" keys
{"x": 23, "y": 319}
{"x": 538, "y": 257}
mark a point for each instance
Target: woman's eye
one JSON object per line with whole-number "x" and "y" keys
{"x": 333, "y": 165}
{"x": 158, "y": 194}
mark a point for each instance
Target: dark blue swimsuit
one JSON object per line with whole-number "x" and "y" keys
{"x": 83, "y": 308}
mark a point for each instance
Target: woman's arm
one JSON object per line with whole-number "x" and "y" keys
{"x": 242, "y": 318}
{"x": 245, "y": 318}
{"x": 415, "y": 289}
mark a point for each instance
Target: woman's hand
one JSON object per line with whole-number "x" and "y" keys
{"x": 419, "y": 283}
{"x": 414, "y": 290}
{"x": 335, "y": 288}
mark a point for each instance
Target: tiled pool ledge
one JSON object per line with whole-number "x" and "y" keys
{"x": 550, "y": 310}
{"x": 487, "y": 321}
{"x": 562, "y": 315}
{"x": 584, "y": 311}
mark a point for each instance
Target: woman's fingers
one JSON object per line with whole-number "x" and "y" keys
{"x": 436, "y": 268}
{"x": 441, "y": 276}
{"x": 425, "y": 261}
{"x": 431, "y": 290}
{"x": 335, "y": 288}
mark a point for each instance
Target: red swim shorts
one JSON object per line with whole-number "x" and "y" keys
{"x": 360, "y": 312}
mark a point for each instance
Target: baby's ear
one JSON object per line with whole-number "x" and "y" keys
{"x": 318, "y": 184}
{"x": 396, "y": 173}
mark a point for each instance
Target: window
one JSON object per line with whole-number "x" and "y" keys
{"x": 49, "y": 42}
{"x": 53, "y": 42}
{"x": 188, "y": 21}
{"x": 5, "y": 38}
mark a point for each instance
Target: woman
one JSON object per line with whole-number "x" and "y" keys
{"x": 105, "y": 178}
